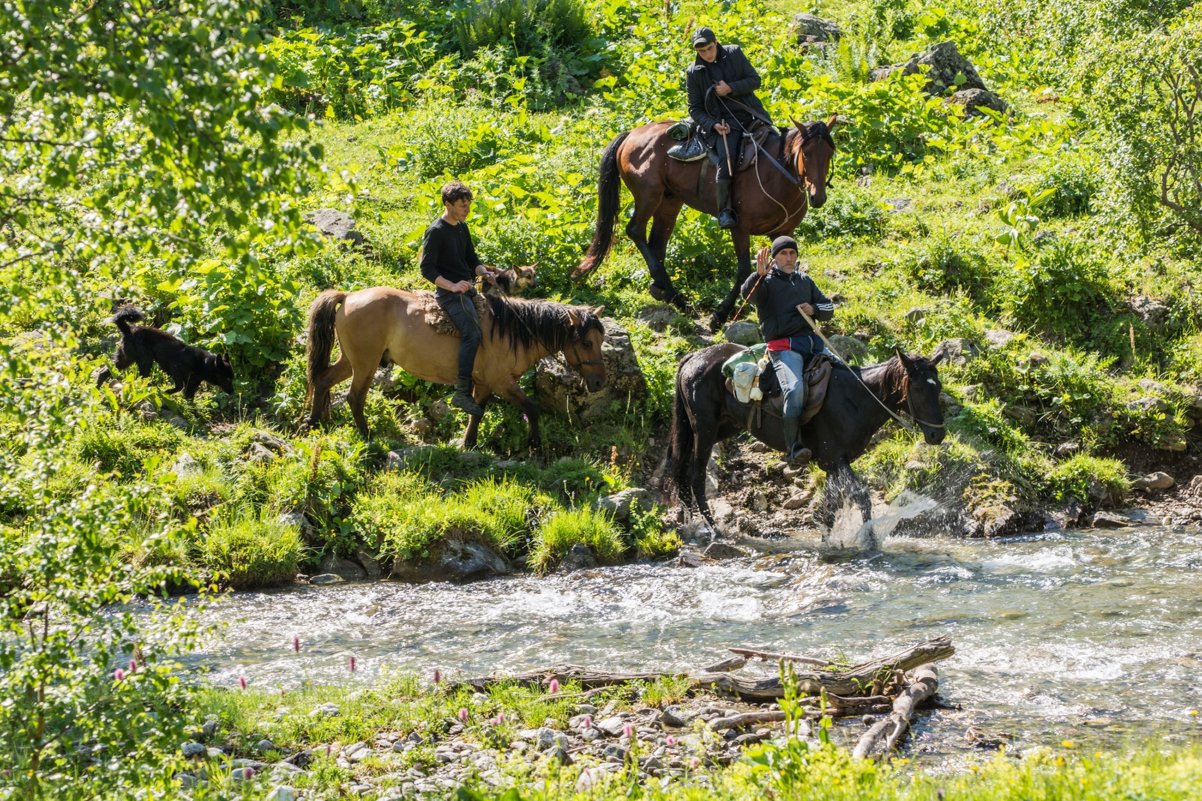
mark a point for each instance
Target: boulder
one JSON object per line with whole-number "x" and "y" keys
{"x": 997, "y": 338}
{"x": 558, "y": 387}
{"x": 810, "y": 28}
{"x": 973, "y": 99}
{"x": 344, "y": 568}
{"x": 958, "y": 351}
{"x": 1151, "y": 311}
{"x": 335, "y": 225}
{"x": 947, "y": 69}
{"x": 455, "y": 558}
{"x": 619, "y": 503}
{"x": 743, "y": 332}
{"x": 1153, "y": 481}
{"x": 578, "y": 557}
{"x": 850, "y": 349}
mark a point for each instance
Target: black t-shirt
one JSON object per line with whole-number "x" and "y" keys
{"x": 447, "y": 250}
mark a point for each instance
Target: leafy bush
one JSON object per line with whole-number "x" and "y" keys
{"x": 568, "y": 527}
{"x": 531, "y": 26}
{"x": 1090, "y": 480}
{"x": 249, "y": 552}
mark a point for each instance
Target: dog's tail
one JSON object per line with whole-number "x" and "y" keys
{"x": 126, "y": 315}
{"x": 321, "y": 333}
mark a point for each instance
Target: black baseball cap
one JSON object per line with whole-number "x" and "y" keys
{"x": 703, "y": 36}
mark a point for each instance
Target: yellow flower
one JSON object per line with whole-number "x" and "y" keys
{"x": 1067, "y": 743}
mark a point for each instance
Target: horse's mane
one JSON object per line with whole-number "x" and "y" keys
{"x": 542, "y": 322}
{"x": 889, "y": 376}
{"x": 795, "y": 138}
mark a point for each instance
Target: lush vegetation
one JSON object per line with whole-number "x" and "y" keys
{"x": 165, "y": 157}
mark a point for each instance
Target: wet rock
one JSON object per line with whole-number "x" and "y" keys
{"x": 974, "y": 99}
{"x": 335, "y": 224}
{"x": 811, "y": 29}
{"x": 721, "y": 550}
{"x": 1104, "y": 519}
{"x": 557, "y": 387}
{"x": 1153, "y": 481}
{"x": 578, "y": 557}
{"x": 453, "y": 559}
{"x": 1065, "y": 516}
{"x": 344, "y": 568}
{"x": 370, "y": 566}
{"x": 620, "y": 503}
{"x": 326, "y": 578}
{"x": 1003, "y": 521}
{"x": 743, "y": 332}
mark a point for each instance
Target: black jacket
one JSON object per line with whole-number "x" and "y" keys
{"x": 706, "y": 108}
{"x": 776, "y": 299}
{"x": 447, "y": 250}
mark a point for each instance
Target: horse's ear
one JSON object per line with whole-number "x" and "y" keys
{"x": 573, "y": 317}
{"x": 905, "y": 360}
{"x": 938, "y": 357}
{"x": 597, "y": 311}
{"x": 800, "y": 126}
{"x": 832, "y": 122}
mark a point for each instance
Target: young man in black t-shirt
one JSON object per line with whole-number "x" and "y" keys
{"x": 449, "y": 261}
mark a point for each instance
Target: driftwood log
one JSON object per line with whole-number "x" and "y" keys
{"x": 885, "y": 734}
{"x": 848, "y": 689}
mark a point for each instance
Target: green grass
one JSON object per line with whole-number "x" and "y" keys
{"x": 583, "y": 526}
{"x": 248, "y": 552}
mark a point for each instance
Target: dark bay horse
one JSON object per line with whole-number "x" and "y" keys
{"x": 858, "y": 402}
{"x": 381, "y": 325}
{"x": 766, "y": 199}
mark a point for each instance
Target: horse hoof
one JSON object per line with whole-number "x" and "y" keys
{"x": 716, "y": 321}
{"x": 658, "y": 292}
{"x": 682, "y": 304}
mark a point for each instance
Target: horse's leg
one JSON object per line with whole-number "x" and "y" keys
{"x": 741, "y": 239}
{"x": 473, "y": 426}
{"x": 363, "y": 370}
{"x": 859, "y": 494}
{"x": 662, "y": 224}
{"x": 336, "y": 373}
{"x": 645, "y": 208}
{"x": 513, "y": 393}
{"x": 704, "y": 437}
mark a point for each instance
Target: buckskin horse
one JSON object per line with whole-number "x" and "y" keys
{"x": 768, "y": 200}
{"x": 381, "y": 325}
{"x": 859, "y": 401}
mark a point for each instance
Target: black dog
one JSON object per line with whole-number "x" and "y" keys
{"x": 186, "y": 364}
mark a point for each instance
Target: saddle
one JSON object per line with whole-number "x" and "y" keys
{"x": 692, "y": 145}
{"x": 817, "y": 378}
{"x": 436, "y": 318}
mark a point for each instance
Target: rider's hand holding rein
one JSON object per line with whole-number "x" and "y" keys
{"x": 722, "y": 88}
{"x": 487, "y": 273}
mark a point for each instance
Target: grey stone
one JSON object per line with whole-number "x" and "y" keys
{"x": 578, "y": 557}
{"x": 947, "y": 68}
{"x": 1104, "y": 519}
{"x": 1153, "y": 481}
{"x": 265, "y": 745}
{"x": 271, "y": 442}
{"x": 721, "y": 550}
{"x": 997, "y": 338}
{"x": 743, "y": 332}
{"x": 326, "y": 578}
{"x": 453, "y": 559}
{"x": 613, "y": 726}
{"x": 810, "y": 28}
{"x": 282, "y": 793}
{"x": 959, "y": 351}
{"x": 186, "y": 465}
{"x": 370, "y": 566}
{"x": 327, "y": 710}
{"x": 1151, "y": 311}
{"x": 620, "y": 503}
{"x": 335, "y": 224}
{"x": 259, "y": 454}
{"x": 209, "y": 729}
{"x": 973, "y": 99}
{"x": 917, "y": 314}
{"x": 344, "y": 568}
{"x": 850, "y": 349}
{"x": 559, "y": 388}
{"x": 193, "y": 750}
{"x": 243, "y": 774}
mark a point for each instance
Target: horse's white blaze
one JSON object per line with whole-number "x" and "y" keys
{"x": 931, "y": 381}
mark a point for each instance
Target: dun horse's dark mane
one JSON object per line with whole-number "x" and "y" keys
{"x": 537, "y": 322}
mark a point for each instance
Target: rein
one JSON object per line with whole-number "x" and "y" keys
{"x": 909, "y": 406}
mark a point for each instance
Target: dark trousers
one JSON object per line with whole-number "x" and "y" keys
{"x": 732, "y": 138}
{"x": 461, "y": 308}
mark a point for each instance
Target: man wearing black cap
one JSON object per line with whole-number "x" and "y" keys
{"x": 781, "y": 294}
{"x": 721, "y": 86}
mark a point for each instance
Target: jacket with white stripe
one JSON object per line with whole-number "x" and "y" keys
{"x": 776, "y": 299}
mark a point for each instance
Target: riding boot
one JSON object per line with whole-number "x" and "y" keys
{"x": 463, "y": 399}
{"x": 726, "y": 213}
{"x": 796, "y": 454}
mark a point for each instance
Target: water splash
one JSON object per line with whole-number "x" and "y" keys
{"x": 850, "y": 534}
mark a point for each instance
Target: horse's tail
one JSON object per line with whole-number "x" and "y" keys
{"x": 608, "y": 194}
{"x": 321, "y": 333}
{"x": 680, "y": 448}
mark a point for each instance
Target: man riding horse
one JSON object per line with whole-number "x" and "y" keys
{"x": 721, "y": 86}
{"x": 783, "y": 299}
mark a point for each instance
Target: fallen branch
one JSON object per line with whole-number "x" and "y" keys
{"x": 883, "y": 737}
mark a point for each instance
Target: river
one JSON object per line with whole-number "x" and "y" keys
{"x": 1093, "y": 637}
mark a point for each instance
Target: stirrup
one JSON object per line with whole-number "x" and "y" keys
{"x": 727, "y": 219}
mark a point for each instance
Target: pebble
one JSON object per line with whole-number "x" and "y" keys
{"x": 282, "y": 793}
{"x": 265, "y": 745}
{"x": 193, "y": 749}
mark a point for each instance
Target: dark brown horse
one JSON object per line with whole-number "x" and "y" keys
{"x": 381, "y": 325}
{"x": 858, "y": 402}
{"x": 768, "y": 201}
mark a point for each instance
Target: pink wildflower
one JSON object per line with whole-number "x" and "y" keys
{"x": 437, "y": 676}
{"x": 588, "y": 721}
{"x": 694, "y": 763}
{"x": 463, "y": 714}
{"x": 553, "y": 686}
{"x": 118, "y": 675}
{"x": 242, "y": 682}
{"x": 628, "y": 730}
{"x": 669, "y": 741}
{"x": 133, "y": 666}
{"x": 351, "y": 662}
{"x": 296, "y": 643}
